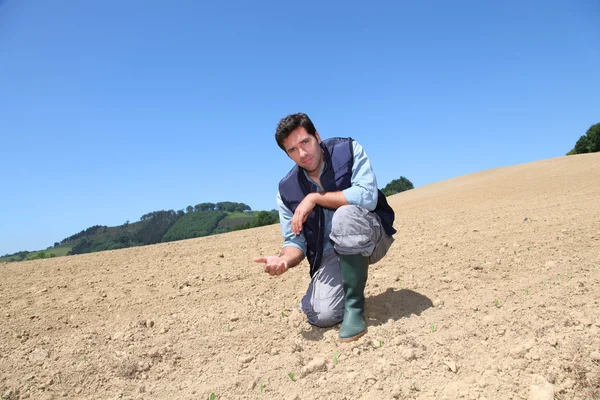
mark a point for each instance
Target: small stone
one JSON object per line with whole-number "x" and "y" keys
{"x": 78, "y": 390}
{"x": 541, "y": 389}
{"x": 221, "y": 255}
{"x": 520, "y": 350}
{"x": 246, "y": 359}
{"x": 233, "y": 318}
{"x": 274, "y": 352}
{"x": 567, "y": 384}
{"x": 409, "y": 354}
{"x": 142, "y": 389}
{"x": 595, "y": 356}
{"x": 38, "y": 356}
{"x": 317, "y": 364}
{"x": 396, "y": 391}
{"x": 550, "y": 264}
{"x": 149, "y": 323}
{"x": 451, "y": 365}
{"x": 438, "y": 303}
{"x": 552, "y": 341}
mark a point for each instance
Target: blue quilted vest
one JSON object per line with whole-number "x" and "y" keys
{"x": 337, "y": 175}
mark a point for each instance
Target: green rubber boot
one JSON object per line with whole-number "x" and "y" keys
{"x": 354, "y": 270}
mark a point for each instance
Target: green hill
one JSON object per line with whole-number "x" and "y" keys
{"x": 159, "y": 226}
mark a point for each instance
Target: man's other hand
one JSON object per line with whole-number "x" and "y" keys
{"x": 274, "y": 265}
{"x": 301, "y": 213}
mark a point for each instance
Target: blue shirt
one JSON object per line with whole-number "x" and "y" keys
{"x": 362, "y": 193}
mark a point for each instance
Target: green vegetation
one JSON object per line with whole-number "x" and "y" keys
{"x": 155, "y": 227}
{"x": 262, "y": 218}
{"x": 397, "y": 185}
{"x": 194, "y": 224}
{"x": 588, "y": 143}
{"x": 35, "y": 255}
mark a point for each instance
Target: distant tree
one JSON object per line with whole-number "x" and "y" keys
{"x": 262, "y": 218}
{"x": 397, "y": 185}
{"x": 189, "y": 209}
{"x": 593, "y": 135}
{"x": 153, "y": 228}
{"x": 231, "y": 206}
{"x": 241, "y": 207}
{"x": 205, "y": 207}
{"x": 196, "y": 224}
{"x": 582, "y": 145}
{"x": 588, "y": 143}
{"x": 56, "y": 244}
{"x": 84, "y": 246}
{"x": 87, "y": 232}
{"x": 125, "y": 239}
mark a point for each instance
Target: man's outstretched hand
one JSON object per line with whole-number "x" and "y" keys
{"x": 274, "y": 265}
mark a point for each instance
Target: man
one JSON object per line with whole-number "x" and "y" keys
{"x": 331, "y": 212}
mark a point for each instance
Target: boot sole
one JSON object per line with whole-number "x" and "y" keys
{"x": 353, "y": 338}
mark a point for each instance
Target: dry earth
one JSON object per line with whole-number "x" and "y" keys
{"x": 491, "y": 291}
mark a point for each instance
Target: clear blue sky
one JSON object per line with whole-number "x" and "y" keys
{"x": 112, "y": 109}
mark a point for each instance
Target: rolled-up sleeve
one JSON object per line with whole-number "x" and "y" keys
{"x": 363, "y": 192}
{"x": 285, "y": 221}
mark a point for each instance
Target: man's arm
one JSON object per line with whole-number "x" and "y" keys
{"x": 363, "y": 191}
{"x": 331, "y": 200}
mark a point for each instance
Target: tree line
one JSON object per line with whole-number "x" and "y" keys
{"x": 588, "y": 143}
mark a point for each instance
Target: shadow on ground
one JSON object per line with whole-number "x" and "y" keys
{"x": 391, "y": 304}
{"x": 395, "y": 304}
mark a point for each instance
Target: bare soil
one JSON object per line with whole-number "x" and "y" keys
{"x": 491, "y": 291}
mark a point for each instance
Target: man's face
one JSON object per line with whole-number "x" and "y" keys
{"x": 304, "y": 149}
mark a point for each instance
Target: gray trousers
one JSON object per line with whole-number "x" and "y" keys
{"x": 354, "y": 230}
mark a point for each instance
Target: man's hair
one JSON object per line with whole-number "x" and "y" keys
{"x": 291, "y": 122}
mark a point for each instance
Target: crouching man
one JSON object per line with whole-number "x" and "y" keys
{"x": 331, "y": 212}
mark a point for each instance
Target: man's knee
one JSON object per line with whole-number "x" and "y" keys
{"x": 345, "y": 215}
{"x": 324, "y": 312}
{"x": 352, "y": 231}
{"x": 325, "y": 319}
